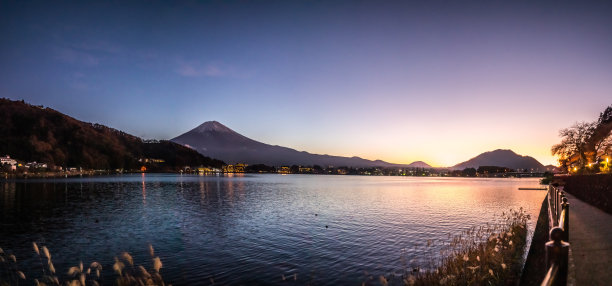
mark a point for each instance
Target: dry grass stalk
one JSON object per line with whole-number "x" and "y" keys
{"x": 127, "y": 273}
{"x": 488, "y": 255}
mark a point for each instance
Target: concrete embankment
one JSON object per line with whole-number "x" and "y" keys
{"x": 535, "y": 264}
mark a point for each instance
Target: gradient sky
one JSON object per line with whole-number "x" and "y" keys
{"x": 438, "y": 81}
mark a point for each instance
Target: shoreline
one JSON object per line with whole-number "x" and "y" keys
{"x": 53, "y": 175}
{"x": 534, "y": 268}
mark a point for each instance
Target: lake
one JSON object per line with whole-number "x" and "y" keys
{"x": 252, "y": 229}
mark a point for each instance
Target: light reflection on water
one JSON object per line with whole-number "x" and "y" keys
{"x": 251, "y": 229}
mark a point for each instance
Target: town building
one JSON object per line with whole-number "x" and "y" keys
{"x": 35, "y": 165}
{"x": 238, "y": 168}
{"x": 7, "y": 160}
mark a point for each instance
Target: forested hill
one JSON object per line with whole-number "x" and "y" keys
{"x": 34, "y": 133}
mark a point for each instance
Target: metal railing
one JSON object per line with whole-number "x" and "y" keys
{"x": 557, "y": 248}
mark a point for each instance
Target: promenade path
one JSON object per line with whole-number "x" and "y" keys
{"x": 591, "y": 243}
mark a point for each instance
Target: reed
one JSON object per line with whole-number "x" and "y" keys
{"x": 127, "y": 273}
{"x": 9, "y": 272}
{"x": 486, "y": 255}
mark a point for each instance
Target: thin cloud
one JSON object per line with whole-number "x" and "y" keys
{"x": 87, "y": 53}
{"x": 99, "y": 46}
{"x": 73, "y": 56}
{"x": 195, "y": 69}
{"x": 78, "y": 81}
{"x": 147, "y": 55}
{"x": 79, "y": 86}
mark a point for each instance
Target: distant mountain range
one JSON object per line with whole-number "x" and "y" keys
{"x": 34, "y": 133}
{"x": 215, "y": 140}
{"x": 502, "y": 158}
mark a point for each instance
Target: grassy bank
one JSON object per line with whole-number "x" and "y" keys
{"x": 487, "y": 255}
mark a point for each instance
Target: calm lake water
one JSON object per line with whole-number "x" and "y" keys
{"x": 252, "y": 229}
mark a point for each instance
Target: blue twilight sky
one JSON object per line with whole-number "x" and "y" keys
{"x": 438, "y": 81}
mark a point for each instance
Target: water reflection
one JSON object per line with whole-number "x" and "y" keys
{"x": 144, "y": 190}
{"x": 8, "y": 197}
{"x": 252, "y": 229}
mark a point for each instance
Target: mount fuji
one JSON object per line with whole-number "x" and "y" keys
{"x": 218, "y": 141}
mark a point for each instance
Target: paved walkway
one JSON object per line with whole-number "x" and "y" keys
{"x": 591, "y": 243}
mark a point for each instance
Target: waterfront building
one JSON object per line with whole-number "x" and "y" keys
{"x": 35, "y": 165}
{"x": 7, "y": 160}
{"x": 238, "y": 168}
{"x": 305, "y": 170}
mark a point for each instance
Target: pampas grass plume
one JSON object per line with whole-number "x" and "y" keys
{"x": 127, "y": 257}
{"x": 35, "y": 246}
{"x": 157, "y": 264}
{"x": 73, "y": 270}
{"x": 46, "y": 252}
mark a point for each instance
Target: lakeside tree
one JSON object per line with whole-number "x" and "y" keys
{"x": 260, "y": 168}
{"x": 600, "y": 143}
{"x": 492, "y": 170}
{"x": 585, "y": 143}
{"x": 469, "y": 172}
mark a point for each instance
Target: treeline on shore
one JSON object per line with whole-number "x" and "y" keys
{"x": 174, "y": 166}
{"x": 482, "y": 171}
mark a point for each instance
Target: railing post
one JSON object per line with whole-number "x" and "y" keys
{"x": 556, "y": 206}
{"x": 553, "y": 195}
{"x": 557, "y": 252}
{"x": 566, "y": 206}
{"x": 556, "y": 213}
{"x": 561, "y": 195}
{"x": 560, "y": 206}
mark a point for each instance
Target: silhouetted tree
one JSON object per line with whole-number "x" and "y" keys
{"x": 469, "y": 172}
{"x": 573, "y": 147}
{"x": 294, "y": 169}
{"x": 260, "y": 168}
{"x": 492, "y": 170}
{"x": 585, "y": 142}
{"x": 600, "y": 143}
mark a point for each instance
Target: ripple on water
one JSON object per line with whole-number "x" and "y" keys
{"x": 253, "y": 229}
